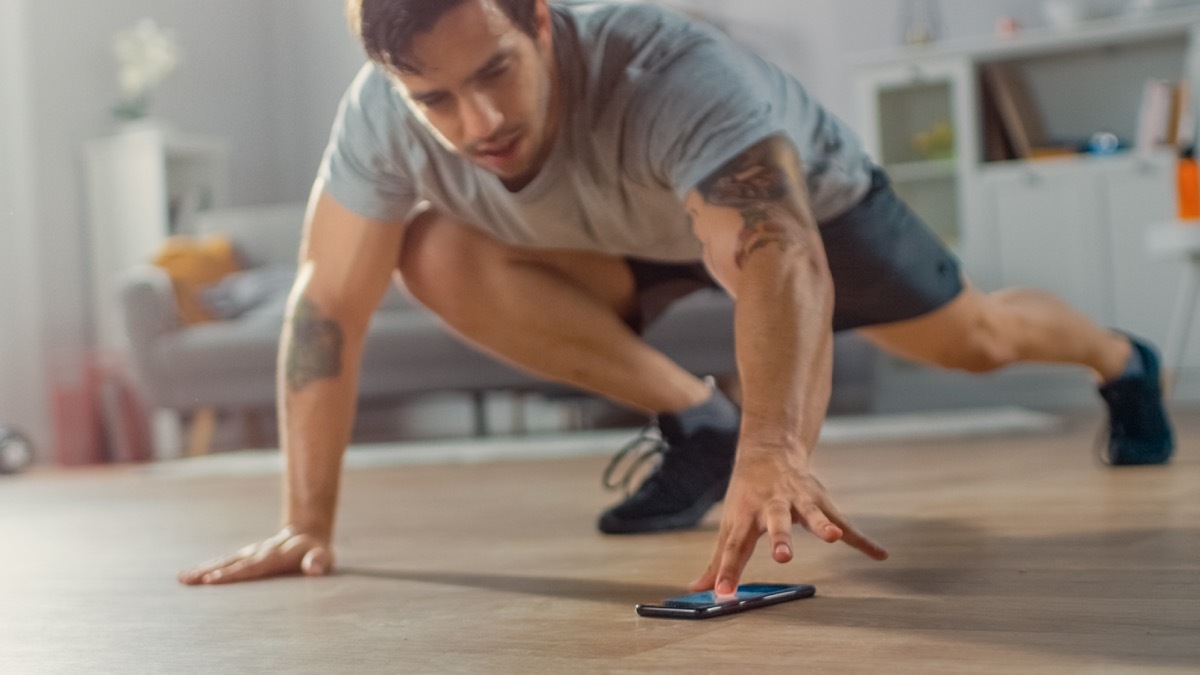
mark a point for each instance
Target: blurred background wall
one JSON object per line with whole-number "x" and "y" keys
{"x": 266, "y": 76}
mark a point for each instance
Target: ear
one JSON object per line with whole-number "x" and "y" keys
{"x": 545, "y": 25}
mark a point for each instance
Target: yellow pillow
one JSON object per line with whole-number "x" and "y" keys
{"x": 193, "y": 265}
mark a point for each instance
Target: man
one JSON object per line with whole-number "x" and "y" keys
{"x": 546, "y": 177}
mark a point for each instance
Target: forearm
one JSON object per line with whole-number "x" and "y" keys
{"x": 318, "y": 386}
{"x": 315, "y": 427}
{"x": 763, "y": 243}
{"x": 785, "y": 346}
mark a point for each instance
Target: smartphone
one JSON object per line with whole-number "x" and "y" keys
{"x": 705, "y": 605}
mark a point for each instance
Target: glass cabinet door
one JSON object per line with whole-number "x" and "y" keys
{"x": 915, "y": 127}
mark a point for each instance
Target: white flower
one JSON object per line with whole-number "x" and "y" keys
{"x": 146, "y": 54}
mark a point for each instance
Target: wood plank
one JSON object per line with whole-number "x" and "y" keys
{"x": 1014, "y": 554}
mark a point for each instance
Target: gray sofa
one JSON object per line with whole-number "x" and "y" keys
{"x": 229, "y": 365}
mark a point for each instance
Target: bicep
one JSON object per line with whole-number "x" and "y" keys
{"x": 753, "y": 209}
{"x": 347, "y": 260}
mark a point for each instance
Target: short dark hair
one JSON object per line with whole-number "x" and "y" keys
{"x": 387, "y": 28}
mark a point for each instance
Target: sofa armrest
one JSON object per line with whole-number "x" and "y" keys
{"x": 148, "y": 306}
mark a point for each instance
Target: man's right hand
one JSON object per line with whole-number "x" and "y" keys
{"x": 288, "y": 552}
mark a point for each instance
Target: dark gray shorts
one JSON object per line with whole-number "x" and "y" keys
{"x": 887, "y": 266}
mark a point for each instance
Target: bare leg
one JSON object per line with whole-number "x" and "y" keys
{"x": 559, "y": 315}
{"x": 981, "y": 332}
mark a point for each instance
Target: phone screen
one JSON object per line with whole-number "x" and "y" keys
{"x": 705, "y": 604}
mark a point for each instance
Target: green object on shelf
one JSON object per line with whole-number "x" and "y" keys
{"x": 935, "y": 143}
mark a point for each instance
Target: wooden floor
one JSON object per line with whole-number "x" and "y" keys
{"x": 1017, "y": 554}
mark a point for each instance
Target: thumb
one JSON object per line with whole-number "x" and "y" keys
{"x": 317, "y": 562}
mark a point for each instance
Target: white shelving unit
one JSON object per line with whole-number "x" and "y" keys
{"x": 1073, "y": 225}
{"x": 903, "y": 99}
{"x": 143, "y": 186}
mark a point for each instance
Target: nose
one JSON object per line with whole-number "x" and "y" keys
{"x": 480, "y": 117}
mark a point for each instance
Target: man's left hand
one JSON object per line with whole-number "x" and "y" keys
{"x": 769, "y": 491}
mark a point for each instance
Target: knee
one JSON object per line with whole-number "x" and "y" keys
{"x": 982, "y": 356}
{"x": 437, "y": 256}
{"x": 984, "y": 346}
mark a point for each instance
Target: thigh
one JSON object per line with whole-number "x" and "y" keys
{"x": 936, "y": 338}
{"x": 887, "y": 265}
{"x": 447, "y": 252}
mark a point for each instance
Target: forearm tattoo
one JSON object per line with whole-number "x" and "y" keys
{"x": 315, "y": 351}
{"x": 761, "y": 185}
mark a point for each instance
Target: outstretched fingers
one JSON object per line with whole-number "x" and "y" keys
{"x": 735, "y": 545}
{"x": 208, "y": 571}
{"x": 255, "y": 567}
{"x": 814, "y": 518}
{"x": 777, "y": 522}
{"x": 196, "y": 575}
{"x": 836, "y": 527}
{"x": 860, "y": 541}
{"x": 748, "y": 516}
{"x": 735, "y": 553}
{"x": 284, "y": 553}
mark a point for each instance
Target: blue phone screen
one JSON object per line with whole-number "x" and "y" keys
{"x": 708, "y": 598}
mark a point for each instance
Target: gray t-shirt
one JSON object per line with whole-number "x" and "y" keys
{"x": 654, "y": 104}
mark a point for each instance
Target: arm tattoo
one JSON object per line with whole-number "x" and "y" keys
{"x": 752, "y": 177}
{"x": 315, "y": 352}
{"x": 761, "y": 185}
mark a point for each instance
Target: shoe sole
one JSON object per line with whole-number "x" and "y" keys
{"x": 680, "y": 520}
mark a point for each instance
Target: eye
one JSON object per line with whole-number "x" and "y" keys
{"x": 432, "y": 100}
{"x": 495, "y": 72}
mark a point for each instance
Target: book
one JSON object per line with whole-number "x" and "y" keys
{"x": 1154, "y": 115}
{"x": 1015, "y": 108}
{"x": 996, "y": 144}
{"x": 1183, "y": 120}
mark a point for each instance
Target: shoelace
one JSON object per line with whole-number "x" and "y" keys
{"x": 648, "y": 445}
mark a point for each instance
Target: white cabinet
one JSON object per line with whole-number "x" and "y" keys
{"x": 1075, "y": 226}
{"x": 1046, "y": 230}
{"x": 1048, "y": 223}
{"x": 143, "y": 186}
{"x": 1078, "y": 228}
{"x": 916, "y": 113}
{"x": 1144, "y": 287}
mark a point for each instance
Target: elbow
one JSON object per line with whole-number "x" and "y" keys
{"x": 799, "y": 262}
{"x": 327, "y": 305}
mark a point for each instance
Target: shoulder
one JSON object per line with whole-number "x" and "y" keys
{"x": 629, "y": 34}
{"x": 702, "y": 71}
{"x": 373, "y": 117}
{"x": 629, "y": 16}
{"x": 640, "y": 54}
{"x": 374, "y": 131}
{"x": 372, "y": 93}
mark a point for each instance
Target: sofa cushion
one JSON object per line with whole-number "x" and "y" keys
{"x": 407, "y": 350}
{"x": 194, "y": 264}
{"x": 243, "y": 291}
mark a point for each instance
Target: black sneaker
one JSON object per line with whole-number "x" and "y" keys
{"x": 697, "y": 448}
{"x": 1139, "y": 432}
